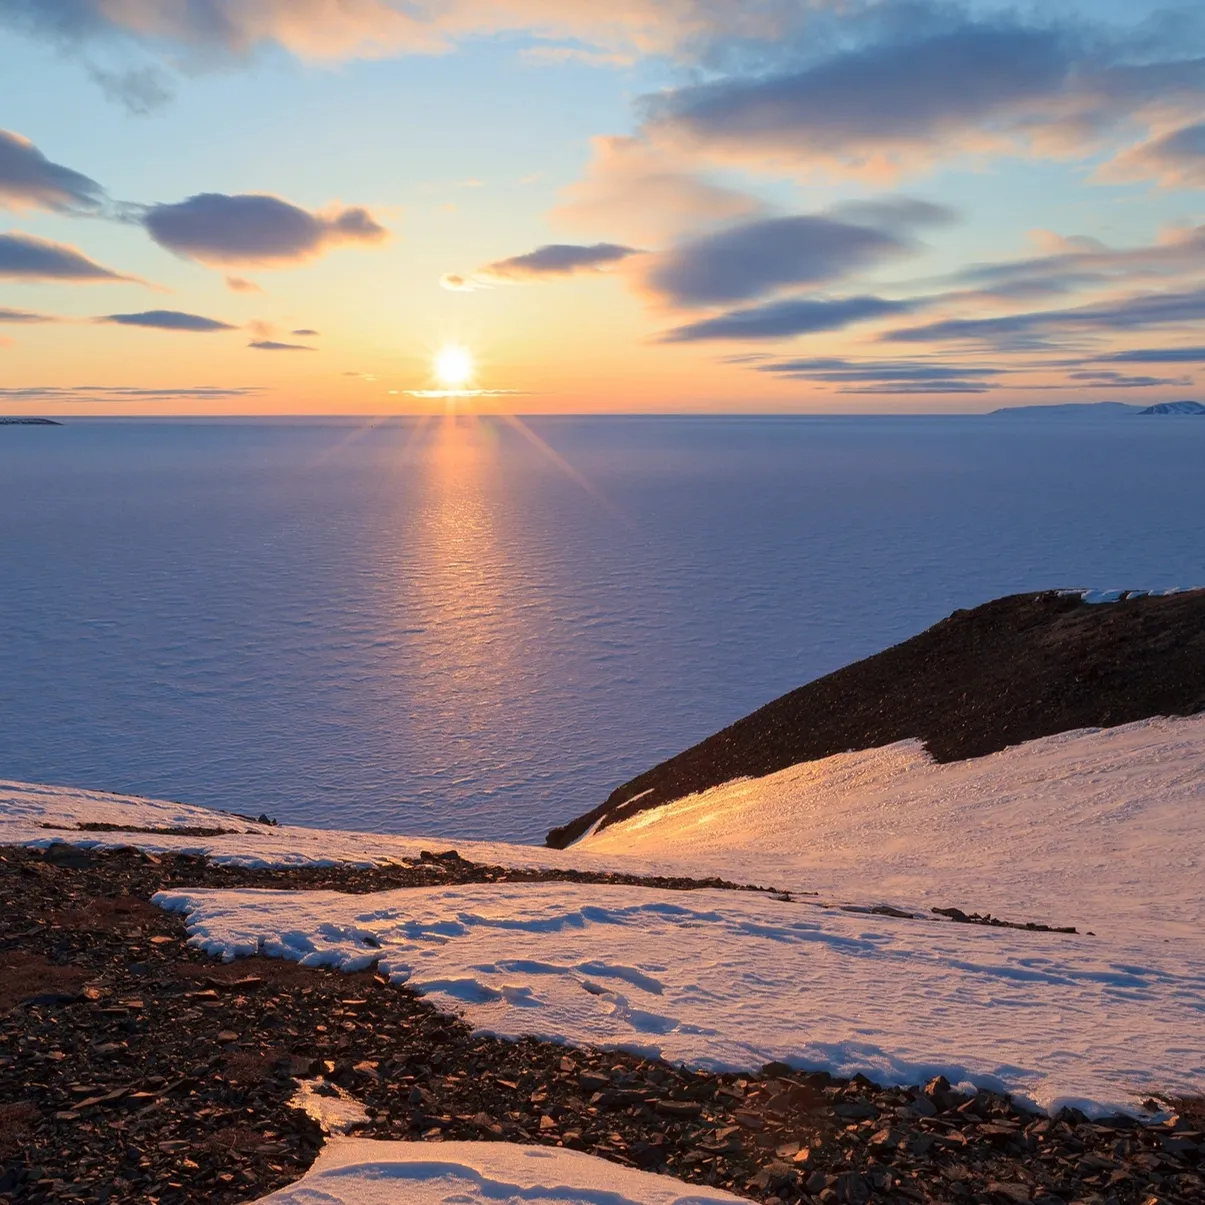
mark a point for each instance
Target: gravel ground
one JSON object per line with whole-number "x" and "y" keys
{"x": 133, "y": 1069}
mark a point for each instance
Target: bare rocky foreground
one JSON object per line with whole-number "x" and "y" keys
{"x": 134, "y": 1069}
{"x": 1012, "y": 670}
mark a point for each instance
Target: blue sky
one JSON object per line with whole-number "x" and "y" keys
{"x": 651, "y": 205}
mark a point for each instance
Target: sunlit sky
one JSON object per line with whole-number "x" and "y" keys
{"x": 300, "y": 206}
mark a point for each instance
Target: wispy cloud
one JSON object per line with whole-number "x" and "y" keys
{"x": 105, "y": 393}
{"x": 24, "y": 317}
{"x": 29, "y": 179}
{"x": 169, "y": 320}
{"x": 1175, "y": 158}
{"x": 25, "y": 257}
{"x": 342, "y": 29}
{"x": 885, "y": 376}
{"x": 273, "y": 345}
{"x": 841, "y": 370}
{"x": 255, "y": 229}
{"x": 557, "y": 259}
{"x": 934, "y": 87}
{"x": 436, "y": 394}
{"x": 1077, "y": 263}
{"x": 140, "y": 90}
{"x": 788, "y": 318}
{"x": 1157, "y": 355}
{"x": 1036, "y": 329}
{"x": 646, "y": 194}
{"x": 1122, "y": 380}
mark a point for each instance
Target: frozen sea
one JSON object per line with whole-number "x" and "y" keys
{"x": 477, "y": 628}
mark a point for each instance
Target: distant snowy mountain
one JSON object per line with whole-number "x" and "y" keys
{"x": 1075, "y": 409}
{"x": 1175, "y": 408}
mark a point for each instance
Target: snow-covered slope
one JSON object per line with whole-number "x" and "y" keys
{"x": 363, "y": 1172}
{"x": 26, "y": 809}
{"x": 1102, "y": 829}
{"x": 1175, "y": 408}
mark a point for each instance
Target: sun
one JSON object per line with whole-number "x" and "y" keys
{"x": 454, "y": 366}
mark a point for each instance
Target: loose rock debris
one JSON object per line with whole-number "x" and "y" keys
{"x": 133, "y": 1069}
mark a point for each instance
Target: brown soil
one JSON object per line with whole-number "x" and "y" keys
{"x": 1019, "y": 668}
{"x": 25, "y": 976}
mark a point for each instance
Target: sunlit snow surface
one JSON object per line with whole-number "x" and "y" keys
{"x": 1104, "y": 830}
{"x": 364, "y": 1172}
{"x": 729, "y": 981}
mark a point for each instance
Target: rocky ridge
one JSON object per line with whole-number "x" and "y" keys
{"x": 1012, "y": 670}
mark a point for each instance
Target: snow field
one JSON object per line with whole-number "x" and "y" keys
{"x": 1102, "y": 828}
{"x": 359, "y": 1171}
{"x": 732, "y": 980}
{"x": 26, "y": 808}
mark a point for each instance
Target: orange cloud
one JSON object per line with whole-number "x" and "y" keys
{"x": 643, "y": 194}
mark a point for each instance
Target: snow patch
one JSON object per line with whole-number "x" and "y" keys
{"x": 26, "y": 809}
{"x": 730, "y": 981}
{"x": 363, "y": 1172}
{"x": 1095, "y": 597}
{"x": 336, "y": 1111}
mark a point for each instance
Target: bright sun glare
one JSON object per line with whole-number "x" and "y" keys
{"x": 454, "y": 367}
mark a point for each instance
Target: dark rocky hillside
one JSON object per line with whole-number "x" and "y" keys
{"x": 1018, "y": 668}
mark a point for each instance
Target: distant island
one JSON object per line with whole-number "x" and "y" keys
{"x": 13, "y": 420}
{"x": 1099, "y": 409}
{"x": 1175, "y": 408}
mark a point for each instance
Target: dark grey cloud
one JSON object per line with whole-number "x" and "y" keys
{"x": 23, "y": 317}
{"x": 169, "y": 320}
{"x": 28, "y": 178}
{"x": 957, "y": 84}
{"x": 254, "y": 228}
{"x": 1037, "y": 329}
{"x": 273, "y": 345}
{"x": 24, "y": 257}
{"x": 305, "y": 333}
{"x": 784, "y": 319}
{"x": 760, "y": 257}
{"x": 554, "y": 259}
